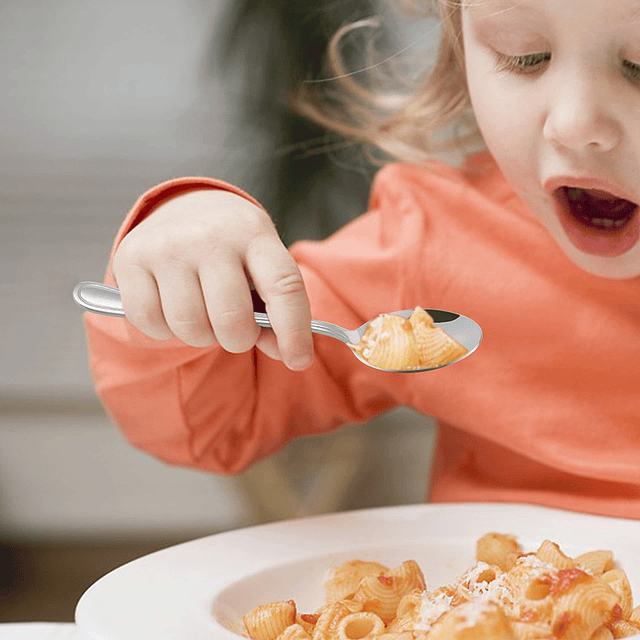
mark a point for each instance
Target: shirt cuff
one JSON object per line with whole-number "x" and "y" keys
{"x": 164, "y": 191}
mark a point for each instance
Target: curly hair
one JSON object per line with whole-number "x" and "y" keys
{"x": 406, "y": 120}
{"x": 329, "y": 127}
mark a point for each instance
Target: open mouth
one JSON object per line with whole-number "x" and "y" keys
{"x": 597, "y": 222}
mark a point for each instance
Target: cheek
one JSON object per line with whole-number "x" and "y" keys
{"x": 508, "y": 132}
{"x": 502, "y": 102}
{"x": 504, "y": 117}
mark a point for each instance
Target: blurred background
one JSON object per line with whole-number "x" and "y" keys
{"x": 102, "y": 100}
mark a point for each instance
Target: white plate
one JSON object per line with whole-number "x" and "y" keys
{"x": 197, "y": 589}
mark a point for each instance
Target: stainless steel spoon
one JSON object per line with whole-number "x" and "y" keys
{"x": 105, "y": 300}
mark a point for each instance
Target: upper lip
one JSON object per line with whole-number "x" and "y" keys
{"x": 584, "y": 182}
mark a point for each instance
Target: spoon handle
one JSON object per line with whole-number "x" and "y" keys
{"x": 99, "y": 298}
{"x": 103, "y": 299}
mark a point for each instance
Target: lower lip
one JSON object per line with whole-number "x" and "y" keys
{"x": 599, "y": 242}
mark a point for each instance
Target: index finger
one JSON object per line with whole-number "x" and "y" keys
{"x": 279, "y": 283}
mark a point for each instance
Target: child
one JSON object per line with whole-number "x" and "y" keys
{"x": 537, "y": 239}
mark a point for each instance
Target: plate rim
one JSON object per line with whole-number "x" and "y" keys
{"x": 272, "y": 554}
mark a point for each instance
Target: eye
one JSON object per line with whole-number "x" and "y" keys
{"x": 631, "y": 70}
{"x": 530, "y": 63}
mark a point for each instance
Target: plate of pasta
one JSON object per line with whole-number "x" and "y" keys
{"x": 421, "y": 572}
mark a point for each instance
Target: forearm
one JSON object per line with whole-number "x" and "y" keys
{"x": 208, "y": 408}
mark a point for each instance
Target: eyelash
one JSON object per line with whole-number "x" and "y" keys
{"x": 632, "y": 70}
{"x": 533, "y": 63}
{"x": 522, "y": 65}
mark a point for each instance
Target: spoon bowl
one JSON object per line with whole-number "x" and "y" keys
{"x": 462, "y": 329}
{"x": 103, "y": 299}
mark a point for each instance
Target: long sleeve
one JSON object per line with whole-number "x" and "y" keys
{"x": 222, "y": 412}
{"x": 545, "y": 411}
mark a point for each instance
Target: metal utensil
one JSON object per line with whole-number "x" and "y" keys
{"x": 103, "y": 299}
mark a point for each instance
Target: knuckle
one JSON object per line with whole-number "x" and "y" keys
{"x": 288, "y": 283}
{"x": 172, "y": 249}
{"x": 262, "y": 224}
{"x": 227, "y": 319}
{"x": 191, "y": 249}
{"x": 129, "y": 248}
{"x": 131, "y": 260}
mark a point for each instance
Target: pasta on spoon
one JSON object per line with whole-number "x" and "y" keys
{"x": 393, "y": 342}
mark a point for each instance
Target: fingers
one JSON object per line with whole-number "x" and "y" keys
{"x": 141, "y": 304}
{"x": 184, "y": 272}
{"x": 166, "y": 306}
{"x": 278, "y": 280}
{"x": 228, "y": 302}
{"x": 197, "y": 308}
{"x": 184, "y": 308}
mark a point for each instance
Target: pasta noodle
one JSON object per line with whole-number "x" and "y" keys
{"x": 506, "y": 595}
{"x": 397, "y": 343}
{"x": 595, "y": 562}
{"x": 269, "y": 620}
{"x": 344, "y": 579}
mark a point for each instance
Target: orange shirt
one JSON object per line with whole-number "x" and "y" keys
{"x": 546, "y": 411}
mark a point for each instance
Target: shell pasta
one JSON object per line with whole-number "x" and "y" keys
{"x": 506, "y": 595}
{"x": 405, "y": 344}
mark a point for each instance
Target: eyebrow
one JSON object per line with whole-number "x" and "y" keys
{"x": 505, "y": 4}
{"x": 502, "y": 6}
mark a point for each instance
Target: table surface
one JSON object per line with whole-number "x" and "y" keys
{"x": 39, "y": 631}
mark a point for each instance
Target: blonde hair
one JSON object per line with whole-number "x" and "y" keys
{"x": 431, "y": 114}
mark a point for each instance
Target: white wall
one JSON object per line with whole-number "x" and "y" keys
{"x": 101, "y": 100}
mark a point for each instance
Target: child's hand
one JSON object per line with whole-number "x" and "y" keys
{"x": 187, "y": 269}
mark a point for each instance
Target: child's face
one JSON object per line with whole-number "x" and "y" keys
{"x": 555, "y": 86}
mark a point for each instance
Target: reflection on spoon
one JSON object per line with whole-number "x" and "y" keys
{"x": 455, "y": 335}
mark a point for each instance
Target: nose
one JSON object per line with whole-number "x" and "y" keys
{"x": 578, "y": 117}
